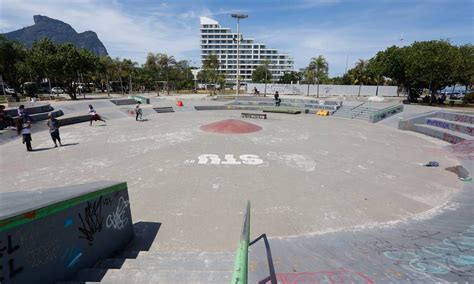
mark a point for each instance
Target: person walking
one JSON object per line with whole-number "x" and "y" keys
{"x": 6, "y": 118}
{"x": 138, "y": 112}
{"x": 24, "y": 128}
{"x": 94, "y": 115}
{"x": 53, "y": 125}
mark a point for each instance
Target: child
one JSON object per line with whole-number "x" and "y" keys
{"x": 94, "y": 115}
{"x": 53, "y": 125}
{"x": 24, "y": 128}
{"x": 138, "y": 112}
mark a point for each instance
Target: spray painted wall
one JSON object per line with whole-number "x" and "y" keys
{"x": 324, "y": 90}
{"x": 54, "y": 233}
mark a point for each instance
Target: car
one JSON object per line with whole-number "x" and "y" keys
{"x": 44, "y": 90}
{"x": 5, "y": 89}
{"x": 57, "y": 90}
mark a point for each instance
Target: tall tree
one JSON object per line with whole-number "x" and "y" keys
{"x": 12, "y": 55}
{"x": 262, "y": 73}
{"x": 318, "y": 68}
{"x": 210, "y": 72}
{"x": 359, "y": 75}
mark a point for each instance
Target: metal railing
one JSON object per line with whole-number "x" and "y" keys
{"x": 240, "y": 272}
{"x": 386, "y": 112}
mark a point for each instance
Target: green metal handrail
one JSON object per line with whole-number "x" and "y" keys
{"x": 240, "y": 274}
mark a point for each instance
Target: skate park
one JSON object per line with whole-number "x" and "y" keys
{"x": 340, "y": 198}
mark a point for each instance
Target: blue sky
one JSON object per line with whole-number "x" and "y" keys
{"x": 336, "y": 29}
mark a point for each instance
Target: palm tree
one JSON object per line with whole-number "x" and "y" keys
{"x": 165, "y": 64}
{"x": 319, "y": 67}
{"x": 211, "y": 65}
{"x": 359, "y": 75}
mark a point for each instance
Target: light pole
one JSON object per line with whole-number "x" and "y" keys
{"x": 238, "y": 17}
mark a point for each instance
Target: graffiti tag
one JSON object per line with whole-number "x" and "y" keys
{"x": 8, "y": 249}
{"x": 91, "y": 221}
{"x": 117, "y": 219}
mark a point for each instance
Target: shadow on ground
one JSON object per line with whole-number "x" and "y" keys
{"x": 145, "y": 234}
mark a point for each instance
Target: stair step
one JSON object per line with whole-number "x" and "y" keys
{"x": 441, "y": 133}
{"x": 166, "y": 276}
{"x": 461, "y": 127}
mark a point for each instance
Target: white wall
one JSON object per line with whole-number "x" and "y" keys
{"x": 324, "y": 90}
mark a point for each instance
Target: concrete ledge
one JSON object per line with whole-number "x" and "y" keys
{"x": 282, "y": 110}
{"x": 68, "y": 120}
{"x": 53, "y": 233}
{"x": 122, "y": 102}
{"x": 30, "y": 109}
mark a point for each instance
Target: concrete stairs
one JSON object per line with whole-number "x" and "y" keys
{"x": 344, "y": 111}
{"x": 160, "y": 267}
{"x": 448, "y": 126}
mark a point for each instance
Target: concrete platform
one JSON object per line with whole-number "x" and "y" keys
{"x": 303, "y": 174}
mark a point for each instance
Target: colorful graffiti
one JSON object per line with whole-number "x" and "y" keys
{"x": 452, "y": 254}
{"x": 451, "y": 138}
{"x": 338, "y": 276}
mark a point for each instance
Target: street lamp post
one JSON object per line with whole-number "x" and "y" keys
{"x": 238, "y": 17}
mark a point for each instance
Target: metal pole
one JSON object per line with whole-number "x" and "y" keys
{"x": 3, "y": 86}
{"x": 238, "y": 51}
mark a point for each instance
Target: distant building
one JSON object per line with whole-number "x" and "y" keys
{"x": 222, "y": 42}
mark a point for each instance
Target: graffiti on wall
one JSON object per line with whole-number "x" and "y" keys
{"x": 8, "y": 267}
{"x": 91, "y": 220}
{"x": 452, "y": 254}
{"x": 229, "y": 159}
{"x": 117, "y": 219}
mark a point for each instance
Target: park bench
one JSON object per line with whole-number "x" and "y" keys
{"x": 254, "y": 115}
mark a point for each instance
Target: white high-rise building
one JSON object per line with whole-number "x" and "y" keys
{"x": 223, "y": 43}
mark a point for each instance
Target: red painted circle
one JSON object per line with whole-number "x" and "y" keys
{"x": 231, "y": 126}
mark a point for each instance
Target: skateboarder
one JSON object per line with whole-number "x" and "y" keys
{"x": 138, "y": 112}
{"x": 53, "y": 125}
{"x": 277, "y": 99}
{"x": 94, "y": 115}
{"x": 24, "y": 128}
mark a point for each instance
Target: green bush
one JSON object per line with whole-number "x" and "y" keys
{"x": 31, "y": 90}
{"x": 468, "y": 98}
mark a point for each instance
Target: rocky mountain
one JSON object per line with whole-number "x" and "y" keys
{"x": 58, "y": 32}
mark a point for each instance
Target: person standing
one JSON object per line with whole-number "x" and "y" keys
{"x": 94, "y": 115}
{"x": 138, "y": 112}
{"x": 53, "y": 125}
{"x": 24, "y": 128}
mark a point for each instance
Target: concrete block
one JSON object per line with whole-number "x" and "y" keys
{"x": 49, "y": 235}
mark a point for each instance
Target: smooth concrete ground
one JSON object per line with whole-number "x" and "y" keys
{"x": 318, "y": 174}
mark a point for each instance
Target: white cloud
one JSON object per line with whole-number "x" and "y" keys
{"x": 123, "y": 34}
